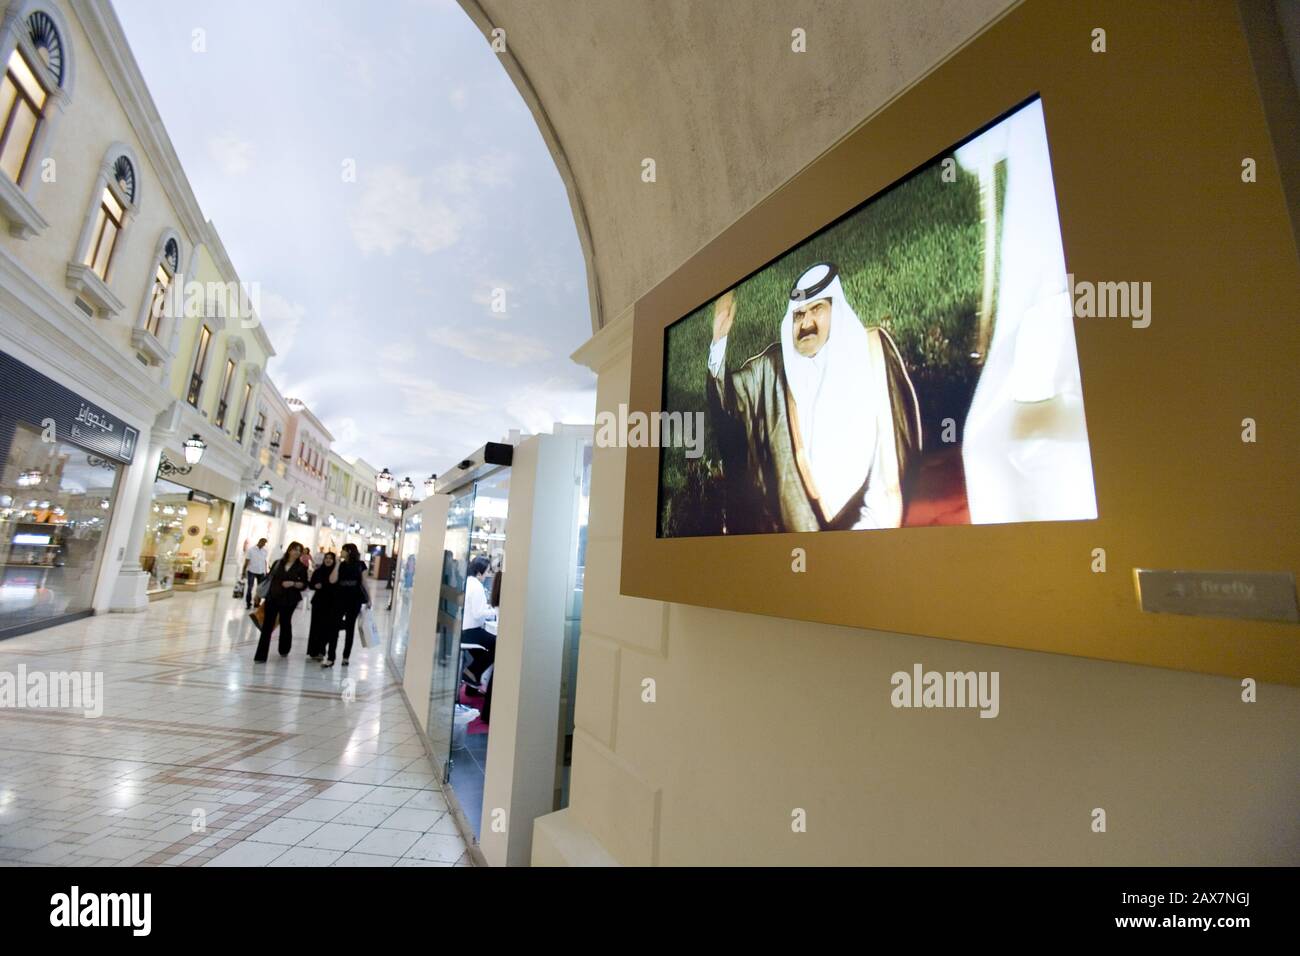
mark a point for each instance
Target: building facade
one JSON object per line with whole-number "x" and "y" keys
{"x": 95, "y": 207}
{"x": 126, "y": 335}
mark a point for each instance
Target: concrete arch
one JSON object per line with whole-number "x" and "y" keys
{"x": 715, "y": 94}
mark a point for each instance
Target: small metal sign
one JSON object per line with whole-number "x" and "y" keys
{"x": 1243, "y": 595}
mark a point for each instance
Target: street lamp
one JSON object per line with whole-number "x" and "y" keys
{"x": 430, "y": 483}
{"x": 383, "y": 507}
{"x": 405, "y": 490}
{"x": 302, "y": 510}
{"x": 194, "y": 448}
{"x": 264, "y": 490}
{"x": 384, "y": 482}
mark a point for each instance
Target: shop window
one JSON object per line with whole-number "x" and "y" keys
{"x": 200, "y": 362}
{"x": 185, "y": 538}
{"x": 56, "y": 502}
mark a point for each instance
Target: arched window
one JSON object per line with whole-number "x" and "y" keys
{"x": 36, "y": 78}
{"x": 116, "y": 198}
{"x": 168, "y": 266}
{"x": 111, "y": 218}
{"x": 33, "y": 70}
{"x": 161, "y": 302}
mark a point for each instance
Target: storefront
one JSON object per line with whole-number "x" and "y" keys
{"x": 62, "y": 459}
{"x": 523, "y": 507}
{"x": 332, "y": 536}
{"x": 261, "y": 519}
{"x": 185, "y": 538}
{"x": 301, "y": 527}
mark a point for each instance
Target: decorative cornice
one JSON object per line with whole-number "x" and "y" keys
{"x": 47, "y": 325}
{"x": 25, "y": 220}
{"x": 217, "y": 249}
{"x": 608, "y": 345}
{"x": 85, "y": 282}
{"x": 231, "y": 458}
{"x": 108, "y": 41}
{"x": 147, "y": 343}
{"x": 298, "y": 407}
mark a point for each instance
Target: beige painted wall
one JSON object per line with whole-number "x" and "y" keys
{"x": 757, "y": 716}
{"x": 93, "y": 120}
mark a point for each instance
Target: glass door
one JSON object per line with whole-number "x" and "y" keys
{"x": 445, "y": 680}
{"x": 400, "y": 630}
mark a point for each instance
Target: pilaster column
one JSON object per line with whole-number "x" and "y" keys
{"x": 130, "y": 592}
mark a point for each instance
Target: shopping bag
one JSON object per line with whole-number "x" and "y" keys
{"x": 239, "y": 589}
{"x": 264, "y": 588}
{"x": 258, "y": 615}
{"x": 366, "y": 627}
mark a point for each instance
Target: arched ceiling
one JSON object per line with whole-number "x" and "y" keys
{"x": 713, "y": 92}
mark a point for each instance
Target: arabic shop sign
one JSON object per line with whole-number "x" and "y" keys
{"x": 39, "y": 401}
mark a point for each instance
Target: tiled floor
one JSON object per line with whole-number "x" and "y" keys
{"x": 202, "y": 758}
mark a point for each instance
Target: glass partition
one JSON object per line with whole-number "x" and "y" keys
{"x": 467, "y": 760}
{"x": 572, "y": 633}
{"x": 401, "y": 621}
{"x": 451, "y": 600}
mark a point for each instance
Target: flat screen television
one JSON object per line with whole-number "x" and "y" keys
{"x": 911, "y": 364}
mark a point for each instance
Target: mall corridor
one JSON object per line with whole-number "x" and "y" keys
{"x": 202, "y": 759}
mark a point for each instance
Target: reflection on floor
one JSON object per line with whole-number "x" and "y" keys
{"x": 202, "y": 758}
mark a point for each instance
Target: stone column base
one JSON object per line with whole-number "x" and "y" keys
{"x": 130, "y": 592}
{"x": 560, "y": 840}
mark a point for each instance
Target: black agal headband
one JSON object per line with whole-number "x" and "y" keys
{"x": 810, "y": 285}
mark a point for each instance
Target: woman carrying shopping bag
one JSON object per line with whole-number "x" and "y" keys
{"x": 288, "y": 580}
{"x": 325, "y": 611}
{"x": 348, "y": 576}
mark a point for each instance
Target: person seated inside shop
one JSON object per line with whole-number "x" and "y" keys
{"x": 478, "y": 612}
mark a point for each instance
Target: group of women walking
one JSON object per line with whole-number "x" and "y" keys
{"x": 339, "y": 593}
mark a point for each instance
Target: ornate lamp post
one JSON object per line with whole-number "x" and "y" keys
{"x": 194, "y": 447}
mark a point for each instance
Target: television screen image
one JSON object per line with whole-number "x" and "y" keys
{"x": 911, "y": 364}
